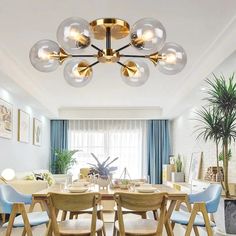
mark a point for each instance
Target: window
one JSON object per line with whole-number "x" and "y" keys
{"x": 119, "y": 138}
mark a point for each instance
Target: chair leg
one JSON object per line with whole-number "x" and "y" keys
{"x": 155, "y": 215}
{"x": 26, "y": 222}
{"x": 24, "y": 232}
{"x": 10, "y": 223}
{"x": 114, "y": 228}
{"x": 99, "y": 233}
{"x": 100, "y": 217}
{"x": 3, "y": 216}
{"x": 196, "y": 231}
{"x": 63, "y": 215}
{"x": 144, "y": 215}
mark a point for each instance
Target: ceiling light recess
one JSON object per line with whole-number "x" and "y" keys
{"x": 147, "y": 35}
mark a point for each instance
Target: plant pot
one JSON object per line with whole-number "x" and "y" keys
{"x": 177, "y": 176}
{"x": 103, "y": 182}
{"x": 225, "y": 217}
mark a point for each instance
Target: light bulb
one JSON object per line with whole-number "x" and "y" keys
{"x": 135, "y": 73}
{"x": 73, "y": 34}
{"x": 78, "y": 73}
{"x": 148, "y": 34}
{"x": 43, "y": 55}
{"x": 173, "y": 59}
{"x": 170, "y": 58}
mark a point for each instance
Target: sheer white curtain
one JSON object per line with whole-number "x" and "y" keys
{"x": 125, "y": 139}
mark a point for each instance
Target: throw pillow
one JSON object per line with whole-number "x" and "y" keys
{"x": 49, "y": 178}
{"x": 29, "y": 177}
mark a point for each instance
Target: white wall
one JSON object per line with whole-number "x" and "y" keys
{"x": 185, "y": 142}
{"x": 183, "y": 128}
{"x": 24, "y": 156}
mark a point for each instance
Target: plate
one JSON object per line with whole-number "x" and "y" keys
{"x": 146, "y": 190}
{"x": 77, "y": 189}
{"x": 79, "y": 184}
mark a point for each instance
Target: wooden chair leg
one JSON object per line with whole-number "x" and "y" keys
{"x": 206, "y": 220}
{"x": 114, "y": 228}
{"x": 155, "y": 215}
{"x": 144, "y": 215}
{"x": 3, "y": 216}
{"x": 99, "y": 233}
{"x": 63, "y": 215}
{"x": 27, "y": 226}
{"x": 24, "y": 232}
{"x": 196, "y": 231}
{"x": 11, "y": 222}
{"x": 191, "y": 220}
{"x": 100, "y": 217}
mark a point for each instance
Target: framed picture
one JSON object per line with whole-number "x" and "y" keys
{"x": 195, "y": 165}
{"x": 37, "y": 132}
{"x": 23, "y": 126}
{"x": 6, "y": 119}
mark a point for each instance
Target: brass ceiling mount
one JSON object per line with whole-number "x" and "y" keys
{"x": 108, "y": 56}
{"x": 119, "y": 28}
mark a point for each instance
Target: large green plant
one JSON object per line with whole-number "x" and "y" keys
{"x": 210, "y": 128}
{"x": 222, "y": 100}
{"x": 64, "y": 160}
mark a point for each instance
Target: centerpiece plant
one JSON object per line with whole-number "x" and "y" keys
{"x": 103, "y": 169}
{"x": 218, "y": 120}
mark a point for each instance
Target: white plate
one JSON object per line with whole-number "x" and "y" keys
{"x": 146, "y": 190}
{"x": 77, "y": 189}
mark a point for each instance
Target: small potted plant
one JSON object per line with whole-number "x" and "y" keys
{"x": 103, "y": 170}
{"x": 178, "y": 175}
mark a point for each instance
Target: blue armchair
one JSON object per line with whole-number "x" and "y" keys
{"x": 13, "y": 203}
{"x": 204, "y": 202}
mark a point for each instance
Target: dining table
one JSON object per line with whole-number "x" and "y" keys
{"x": 175, "y": 197}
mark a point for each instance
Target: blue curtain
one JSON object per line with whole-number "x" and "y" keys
{"x": 59, "y": 138}
{"x": 158, "y": 147}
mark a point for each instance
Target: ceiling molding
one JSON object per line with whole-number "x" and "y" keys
{"x": 137, "y": 113}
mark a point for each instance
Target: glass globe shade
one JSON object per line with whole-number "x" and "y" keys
{"x": 8, "y": 174}
{"x": 173, "y": 60}
{"x": 42, "y": 55}
{"x": 135, "y": 73}
{"x": 73, "y": 34}
{"x": 148, "y": 34}
{"x": 74, "y": 77}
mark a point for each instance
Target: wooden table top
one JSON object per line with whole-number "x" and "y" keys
{"x": 107, "y": 194}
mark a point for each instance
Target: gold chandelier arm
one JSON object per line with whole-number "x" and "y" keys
{"x": 124, "y": 47}
{"x": 100, "y": 50}
{"x": 79, "y": 55}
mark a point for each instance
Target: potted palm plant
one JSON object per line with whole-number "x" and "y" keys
{"x": 64, "y": 160}
{"x": 219, "y": 124}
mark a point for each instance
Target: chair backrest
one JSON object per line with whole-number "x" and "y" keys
{"x": 211, "y": 196}
{"x": 8, "y": 196}
{"x": 72, "y": 203}
{"x": 141, "y": 202}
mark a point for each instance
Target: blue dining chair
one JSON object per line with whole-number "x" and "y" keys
{"x": 203, "y": 202}
{"x": 13, "y": 203}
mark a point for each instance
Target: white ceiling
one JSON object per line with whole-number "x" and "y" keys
{"x": 206, "y": 29}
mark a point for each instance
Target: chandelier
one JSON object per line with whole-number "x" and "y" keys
{"x": 147, "y": 35}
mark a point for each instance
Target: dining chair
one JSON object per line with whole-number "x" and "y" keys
{"x": 13, "y": 203}
{"x": 75, "y": 214}
{"x": 75, "y": 203}
{"x": 203, "y": 202}
{"x": 140, "y": 202}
